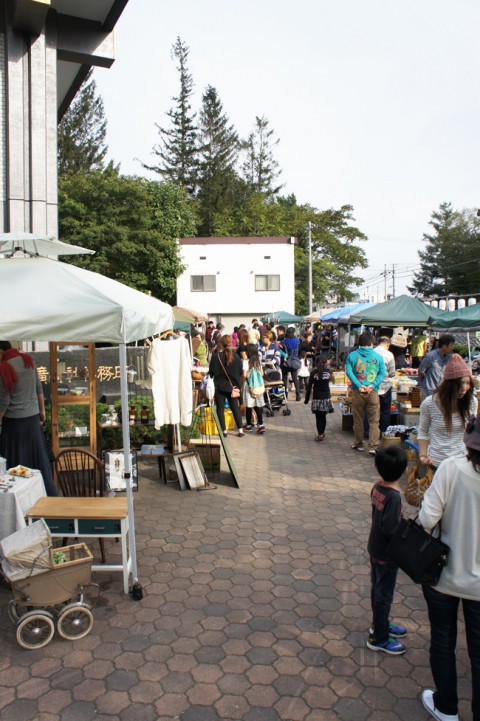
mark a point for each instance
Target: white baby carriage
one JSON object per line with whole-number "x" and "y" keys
{"x": 275, "y": 393}
{"x": 47, "y": 585}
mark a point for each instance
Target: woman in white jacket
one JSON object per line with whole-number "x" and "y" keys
{"x": 454, "y": 499}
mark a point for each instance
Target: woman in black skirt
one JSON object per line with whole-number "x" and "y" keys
{"x": 319, "y": 381}
{"x": 22, "y": 411}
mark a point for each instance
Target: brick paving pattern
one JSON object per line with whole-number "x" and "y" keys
{"x": 256, "y": 603}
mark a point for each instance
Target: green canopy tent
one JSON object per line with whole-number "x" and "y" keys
{"x": 467, "y": 318}
{"x": 401, "y": 311}
{"x": 282, "y": 317}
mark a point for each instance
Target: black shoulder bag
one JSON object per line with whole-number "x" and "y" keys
{"x": 417, "y": 552}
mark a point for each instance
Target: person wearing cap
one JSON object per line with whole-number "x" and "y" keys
{"x": 444, "y": 414}
{"x": 430, "y": 372}
{"x": 454, "y": 499}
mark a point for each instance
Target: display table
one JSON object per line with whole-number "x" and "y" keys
{"x": 17, "y": 499}
{"x": 88, "y": 518}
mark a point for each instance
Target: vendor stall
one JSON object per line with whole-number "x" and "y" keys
{"x": 54, "y": 301}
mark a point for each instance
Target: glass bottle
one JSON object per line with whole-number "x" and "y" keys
{"x": 132, "y": 415}
{"x": 144, "y": 414}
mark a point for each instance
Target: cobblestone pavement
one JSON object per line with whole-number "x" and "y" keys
{"x": 256, "y": 603}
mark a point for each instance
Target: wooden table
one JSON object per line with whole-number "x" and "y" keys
{"x": 88, "y": 518}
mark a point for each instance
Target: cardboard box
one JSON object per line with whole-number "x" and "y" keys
{"x": 390, "y": 441}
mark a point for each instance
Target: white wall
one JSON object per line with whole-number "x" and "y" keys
{"x": 235, "y": 267}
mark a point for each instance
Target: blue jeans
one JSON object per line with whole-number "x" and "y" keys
{"x": 442, "y": 613}
{"x": 384, "y": 577}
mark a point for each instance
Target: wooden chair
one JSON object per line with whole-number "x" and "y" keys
{"x": 79, "y": 474}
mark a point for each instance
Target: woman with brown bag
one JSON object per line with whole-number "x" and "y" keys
{"x": 226, "y": 371}
{"x": 444, "y": 414}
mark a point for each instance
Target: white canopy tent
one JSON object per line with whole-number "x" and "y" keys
{"x": 44, "y": 299}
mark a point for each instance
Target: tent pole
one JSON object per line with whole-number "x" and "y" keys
{"x": 137, "y": 593}
{"x": 469, "y": 350}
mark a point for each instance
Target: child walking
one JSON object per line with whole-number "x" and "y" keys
{"x": 250, "y": 398}
{"x": 391, "y": 463}
{"x": 319, "y": 381}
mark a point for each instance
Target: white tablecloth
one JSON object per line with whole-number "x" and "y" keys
{"x": 15, "y": 502}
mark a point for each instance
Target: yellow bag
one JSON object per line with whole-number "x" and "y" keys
{"x": 416, "y": 486}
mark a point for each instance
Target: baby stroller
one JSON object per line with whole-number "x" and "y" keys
{"x": 275, "y": 394}
{"x": 47, "y": 586}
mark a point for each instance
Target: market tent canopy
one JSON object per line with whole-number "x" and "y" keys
{"x": 35, "y": 245}
{"x": 337, "y": 314}
{"x": 401, "y": 311}
{"x": 44, "y": 299}
{"x": 467, "y": 318}
{"x": 187, "y": 315}
{"x": 282, "y": 317}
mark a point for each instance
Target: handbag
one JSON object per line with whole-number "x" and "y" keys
{"x": 421, "y": 556}
{"x": 235, "y": 393}
{"x": 417, "y": 483}
{"x": 292, "y": 363}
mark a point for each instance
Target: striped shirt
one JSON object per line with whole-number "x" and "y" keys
{"x": 443, "y": 443}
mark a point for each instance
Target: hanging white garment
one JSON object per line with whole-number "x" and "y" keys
{"x": 170, "y": 365}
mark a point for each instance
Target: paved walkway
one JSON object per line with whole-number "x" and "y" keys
{"x": 256, "y": 603}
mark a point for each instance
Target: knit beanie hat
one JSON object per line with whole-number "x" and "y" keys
{"x": 456, "y": 368}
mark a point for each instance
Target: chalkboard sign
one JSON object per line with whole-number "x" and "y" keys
{"x": 114, "y": 469}
{"x": 223, "y": 441}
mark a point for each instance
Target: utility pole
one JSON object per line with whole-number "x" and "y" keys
{"x": 393, "y": 279}
{"x": 385, "y": 283}
{"x": 310, "y": 283}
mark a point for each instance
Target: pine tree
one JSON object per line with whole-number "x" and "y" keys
{"x": 260, "y": 170}
{"x": 218, "y": 148}
{"x": 443, "y": 251}
{"x": 177, "y": 150}
{"x": 82, "y": 132}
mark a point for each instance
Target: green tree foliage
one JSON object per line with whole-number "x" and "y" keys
{"x": 335, "y": 252}
{"x": 450, "y": 263}
{"x": 132, "y": 224}
{"x": 260, "y": 170}
{"x": 218, "y": 151}
{"x": 177, "y": 150}
{"x": 82, "y": 132}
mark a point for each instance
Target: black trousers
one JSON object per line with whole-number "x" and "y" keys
{"x": 220, "y": 397}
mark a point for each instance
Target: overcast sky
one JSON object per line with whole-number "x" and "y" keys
{"x": 376, "y": 103}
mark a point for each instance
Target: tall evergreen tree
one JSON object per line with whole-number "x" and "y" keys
{"x": 260, "y": 170}
{"x": 450, "y": 263}
{"x": 82, "y": 132}
{"x": 177, "y": 150}
{"x": 218, "y": 148}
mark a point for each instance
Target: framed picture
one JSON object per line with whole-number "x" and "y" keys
{"x": 193, "y": 470}
{"x": 114, "y": 463}
{"x": 179, "y": 470}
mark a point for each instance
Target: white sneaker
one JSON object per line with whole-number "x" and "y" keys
{"x": 429, "y": 704}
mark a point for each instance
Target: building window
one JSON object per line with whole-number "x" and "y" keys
{"x": 203, "y": 283}
{"x": 267, "y": 282}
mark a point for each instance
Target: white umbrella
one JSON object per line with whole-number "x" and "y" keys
{"x": 36, "y": 245}
{"x": 44, "y": 299}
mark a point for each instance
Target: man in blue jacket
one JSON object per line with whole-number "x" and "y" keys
{"x": 366, "y": 370}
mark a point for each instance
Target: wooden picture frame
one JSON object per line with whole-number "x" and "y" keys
{"x": 193, "y": 470}
{"x": 179, "y": 470}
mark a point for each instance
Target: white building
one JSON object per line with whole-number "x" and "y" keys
{"x": 237, "y": 279}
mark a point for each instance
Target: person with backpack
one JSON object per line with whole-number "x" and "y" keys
{"x": 253, "y": 390}
{"x": 291, "y": 362}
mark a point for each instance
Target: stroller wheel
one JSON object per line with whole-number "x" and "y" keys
{"x": 35, "y": 630}
{"x": 287, "y": 412}
{"x": 75, "y": 621}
